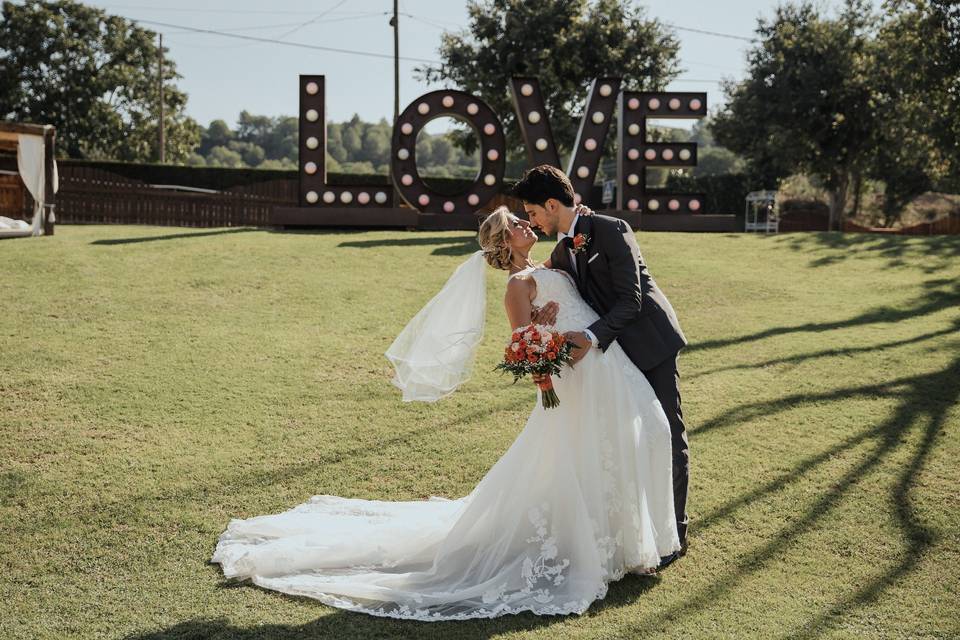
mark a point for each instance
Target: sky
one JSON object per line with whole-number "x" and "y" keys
{"x": 223, "y": 76}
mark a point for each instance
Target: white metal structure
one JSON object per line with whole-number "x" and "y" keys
{"x": 761, "y": 212}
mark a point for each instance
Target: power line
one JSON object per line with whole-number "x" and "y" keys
{"x": 299, "y": 45}
{"x": 695, "y": 80}
{"x": 309, "y": 22}
{"x": 436, "y": 22}
{"x": 710, "y": 33}
{"x": 267, "y": 27}
{"x": 230, "y": 11}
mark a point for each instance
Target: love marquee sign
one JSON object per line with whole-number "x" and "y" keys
{"x": 604, "y": 102}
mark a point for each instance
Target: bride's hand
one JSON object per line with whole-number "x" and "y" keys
{"x": 582, "y": 210}
{"x": 546, "y": 315}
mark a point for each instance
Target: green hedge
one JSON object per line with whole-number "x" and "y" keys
{"x": 723, "y": 194}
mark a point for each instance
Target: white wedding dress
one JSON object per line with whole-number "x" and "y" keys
{"x": 582, "y": 496}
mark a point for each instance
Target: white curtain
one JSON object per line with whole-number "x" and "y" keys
{"x": 30, "y": 164}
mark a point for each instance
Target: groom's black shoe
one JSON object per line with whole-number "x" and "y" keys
{"x": 666, "y": 561}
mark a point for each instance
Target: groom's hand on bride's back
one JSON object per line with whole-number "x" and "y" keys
{"x": 547, "y": 314}
{"x": 581, "y": 344}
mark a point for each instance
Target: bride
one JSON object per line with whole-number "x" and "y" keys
{"x": 582, "y": 496}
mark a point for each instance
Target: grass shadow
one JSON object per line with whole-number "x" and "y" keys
{"x": 449, "y": 246}
{"x": 931, "y": 255}
{"x": 922, "y": 400}
{"x": 175, "y": 236}
{"x": 344, "y": 624}
{"x": 829, "y": 353}
{"x": 941, "y": 294}
{"x": 925, "y": 398}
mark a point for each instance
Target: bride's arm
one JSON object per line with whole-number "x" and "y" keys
{"x": 519, "y": 301}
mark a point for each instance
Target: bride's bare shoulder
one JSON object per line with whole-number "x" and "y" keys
{"x": 520, "y": 284}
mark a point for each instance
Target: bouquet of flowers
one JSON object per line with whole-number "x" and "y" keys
{"x": 537, "y": 350}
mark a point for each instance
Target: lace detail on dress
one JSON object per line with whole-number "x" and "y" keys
{"x": 545, "y": 567}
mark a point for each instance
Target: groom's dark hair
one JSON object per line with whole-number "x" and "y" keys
{"x": 541, "y": 183}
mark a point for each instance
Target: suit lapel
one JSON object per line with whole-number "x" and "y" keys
{"x": 583, "y": 226}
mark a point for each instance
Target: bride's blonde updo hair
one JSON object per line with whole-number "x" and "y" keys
{"x": 494, "y": 231}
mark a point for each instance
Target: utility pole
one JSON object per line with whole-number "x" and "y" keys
{"x": 160, "y": 82}
{"x": 395, "y": 23}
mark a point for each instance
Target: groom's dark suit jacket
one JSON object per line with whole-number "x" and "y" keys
{"x": 612, "y": 277}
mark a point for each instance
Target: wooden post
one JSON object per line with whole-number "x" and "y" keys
{"x": 49, "y": 196}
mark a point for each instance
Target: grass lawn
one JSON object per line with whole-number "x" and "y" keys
{"x": 156, "y": 381}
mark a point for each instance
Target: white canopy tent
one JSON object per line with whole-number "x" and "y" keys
{"x": 38, "y": 170}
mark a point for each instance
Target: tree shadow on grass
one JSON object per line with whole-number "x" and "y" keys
{"x": 940, "y": 294}
{"x": 923, "y": 400}
{"x": 175, "y": 236}
{"x": 345, "y": 624}
{"x": 829, "y": 353}
{"x": 928, "y": 253}
{"x": 450, "y": 246}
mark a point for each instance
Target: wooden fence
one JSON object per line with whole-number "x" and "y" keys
{"x": 93, "y": 196}
{"x": 90, "y": 195}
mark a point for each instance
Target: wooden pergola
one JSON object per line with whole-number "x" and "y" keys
{"x": 9, "y": 141}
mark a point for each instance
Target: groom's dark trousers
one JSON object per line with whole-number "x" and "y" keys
{"x": 612, "y": 277}
{"x": 665, "y": 380}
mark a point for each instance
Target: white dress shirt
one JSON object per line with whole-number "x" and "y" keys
{"x": 573, "y": 265}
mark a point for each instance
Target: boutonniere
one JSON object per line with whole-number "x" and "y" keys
{"x": 580, "y": 242}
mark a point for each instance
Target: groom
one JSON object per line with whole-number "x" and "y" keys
{"x": 602, "y": 256}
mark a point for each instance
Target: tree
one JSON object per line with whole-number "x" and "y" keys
{"x": 376, "y": 144}
{"x": 807, "y": 104}
{"x": 918, "y": 86}
{"x": 94, "y": 77}
{"x": 252, "y": 128}
{"x": 335, "y": 147}
{"x": 251, "y": 152}
{"x": 441, "y": 151}
{"x": 218, "y": 134}
{"x": 717, "y": 161}
{"x": 565, "y": 43}
{"x": 284, "y": 138}
{"x": 224, "y": 157}
{"x": 350, "y": 137}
